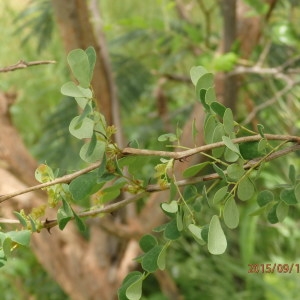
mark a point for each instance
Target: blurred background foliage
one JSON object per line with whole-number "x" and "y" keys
{"x": 148, "y": 42}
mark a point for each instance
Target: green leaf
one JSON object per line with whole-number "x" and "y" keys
{"x": 83, "y": 129}
{"x": 264, "y": 197}
{"x": 33, "y": 225}
{"x": 79, "y": 63}
{"x": 2, "y": 258}
{"x": 86, "y": 111}
{"x": 193, "y": 170}
{"x": 149, "y": 261}
{"x": 72, "y": 90}
{"x": 105, "y": 178}
{"x": 210, "y": 95}
{"x": 21, "y": 219}
{"x": 225, "y": 62}
{"x": 249, "y": 150}
{"x": 171, "y": 137}
{"x": 218, "y": 108}
{"x": 147, "y": 242}
{"x": 228, "y": 121}
{"x": 282, "y": 211}
{"x": 7, "y": 246}
{"x": 20, "y": 237}
{"x": 231, "y": 214}
{"x": 230, "y": 156}
{"x": 129, "y": 279}
{"x": 205, "y": 82}
{"x": 179, "y": 219}
{"x": 272, "y": 215}
{"x": 92, "y": 145}
{"x": 190, "y": 192}
{"x": 44, "y": 173}
{"x": 230, "y": 145}
{"x": 161, "y": 260}
{"x": 171, "y": 231}
{"x": 173, "y": 190}
{"x": 134, "y": 291}
{"x": 64, "y": 214}
{"x": 261, "y": 130}
{"x": 204, "y": 232}
{"x": 196, "y": 73}
{"x": 110, "y": 193}
{"x": 82, "y": 102}
{"x": 82, "y": 186}
{"x": 91, "y": 54}
{"x": 217, "y": 137}
{"x": 171, "y": 207}
{"x": 245, "y": 189}
{"x": 194, "y": 131}
{"x": 260, "y": 210}
{"x": 204, "y": 194}
{"x": 97, "y": 153}
{"x": 160, "y": 228}
{"x": 297, "y": 192}
{"x": 217, "y": 243}
{"x": 197, "y": 205}
{"x": 209, "y": 127}
{"x": 220, "y": 195}
{"x": 102, "y": 167}
{"x": 235, "y": 172}
{"x": 262, "y": 146}
{"x": 196, "y": 232}
{"x": 80, "y": 224}
{"x": 288, "y": 196}
{"x": 292, "y": 174}
{"x": 219, "y": 171}
{"x": 202, "y": 96}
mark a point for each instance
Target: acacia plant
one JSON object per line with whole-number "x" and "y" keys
{"x": 234, "y": 157}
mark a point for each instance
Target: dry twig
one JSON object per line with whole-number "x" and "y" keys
{"x": 23, "y": 64}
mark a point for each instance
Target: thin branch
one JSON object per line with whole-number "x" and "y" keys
{"x": 264, "y": 54}
{"x": 270, "y": 102}
{"x": 157, "y": 188}
{"x": 64, "y": 179}
{"x": 289, "y": 62}
{"x": 23, "y": 64}
{"x": 180, "y": 155}
{"x": 186, "y": 153}
{"x": 275, "y": 72}
{"x": 48, "y": 224}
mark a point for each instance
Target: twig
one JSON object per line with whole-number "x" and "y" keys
{"x": 264, "y": 54}
{"x": 186, "y": 153}
{"x": 145, "y": 152}
{"x": 48, "y": 224}
{"x": 64, "y": 179}
{"x": 270, "y": 102}
{"x": 23, "y": 64}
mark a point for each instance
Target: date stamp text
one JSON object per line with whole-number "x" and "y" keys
{"x": 274, "y": 268}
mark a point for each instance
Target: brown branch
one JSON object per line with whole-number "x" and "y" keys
{"x": 23, "y": 64}
{"x": 64, "y": 179}
{"x": 271, "y": 101}
{"x": 48, "y": 224}
{"x": 145, "y": 152}
{"x": 186, "y": 153}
